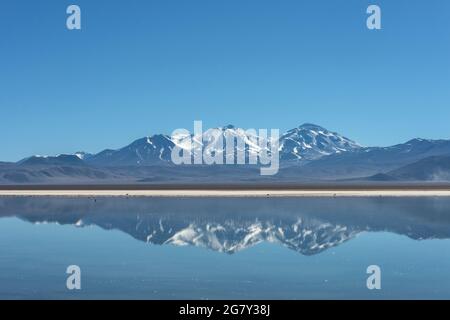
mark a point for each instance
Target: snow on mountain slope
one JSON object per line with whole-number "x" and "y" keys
{"x": 306, "y": 142}
{"x": 305, "y": 237}
{"x": 310, "y": 142}
{"x": 219, "y": 141}
{"x": 144, "y": 151}
{"x": 62, "y": 159}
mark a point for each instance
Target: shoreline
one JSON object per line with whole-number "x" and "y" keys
{"x": 247, "y": 193}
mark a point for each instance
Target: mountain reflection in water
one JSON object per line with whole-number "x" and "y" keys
{"x": 306, "y": 225}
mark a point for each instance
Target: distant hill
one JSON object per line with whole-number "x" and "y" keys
{"x": 436, "y": 168}
{"x": 374, "y": 160}
{"x": 64, "y": 159}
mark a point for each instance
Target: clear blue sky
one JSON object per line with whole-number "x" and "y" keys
{"x": 144, "y": 67}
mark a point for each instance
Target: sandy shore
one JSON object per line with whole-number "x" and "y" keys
{"x": 227, "y": 193}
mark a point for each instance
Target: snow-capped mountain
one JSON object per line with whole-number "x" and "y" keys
{"x": 83, "y": 155}
{"x": 311, "y": 142}
{"x": 217, "y": 142}
{"x": 307, "y": 142}
{"x": 145, "y": 151}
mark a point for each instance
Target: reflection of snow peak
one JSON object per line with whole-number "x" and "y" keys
{"x": 230, "y": 238}
{"x": 306, "y": 225}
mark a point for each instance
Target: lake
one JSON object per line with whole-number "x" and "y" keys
{"x": 225, "y": 248}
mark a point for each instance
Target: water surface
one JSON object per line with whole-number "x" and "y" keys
{"x": 224, "y": 248}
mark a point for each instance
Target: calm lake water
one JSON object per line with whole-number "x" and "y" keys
{"x": 219, "y": 248}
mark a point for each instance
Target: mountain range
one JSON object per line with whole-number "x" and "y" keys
{"x": 308, "y": 153}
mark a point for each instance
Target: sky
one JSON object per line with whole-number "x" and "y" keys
{"x": 140, "y": 67}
